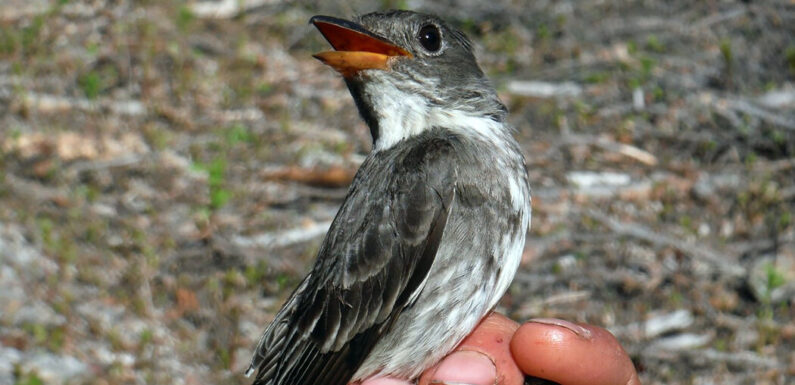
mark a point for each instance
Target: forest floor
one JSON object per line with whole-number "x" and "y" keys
{"x": 168, "y": 170}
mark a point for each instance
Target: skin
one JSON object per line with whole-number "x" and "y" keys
{"x": 500, "y": 351}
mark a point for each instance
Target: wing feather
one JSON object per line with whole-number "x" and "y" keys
{"x": 372, "y": 264}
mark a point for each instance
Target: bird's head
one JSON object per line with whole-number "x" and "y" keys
{"x": 409, "y": 72}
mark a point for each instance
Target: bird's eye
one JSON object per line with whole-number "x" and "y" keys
{"x": 430, "y": 38}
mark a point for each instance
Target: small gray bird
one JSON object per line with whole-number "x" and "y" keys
{"x": 433, "y": 227}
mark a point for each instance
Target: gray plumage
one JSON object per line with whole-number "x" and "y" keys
{"x": 430, "y": 234}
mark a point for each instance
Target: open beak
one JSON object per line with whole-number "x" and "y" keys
{"x": 355, "y": 47}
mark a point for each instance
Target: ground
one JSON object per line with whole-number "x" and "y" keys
{"x": 168, "y": 170}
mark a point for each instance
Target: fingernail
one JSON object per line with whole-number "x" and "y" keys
{"x": 576, "y": 329}
{"x": 465, "y": 368}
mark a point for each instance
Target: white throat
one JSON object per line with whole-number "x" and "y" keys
{"x": 402, "y": 115}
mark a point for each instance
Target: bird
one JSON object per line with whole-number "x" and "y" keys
{"x": 431, "y": 232}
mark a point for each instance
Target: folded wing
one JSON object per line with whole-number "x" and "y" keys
{"x": 372, "y": 264}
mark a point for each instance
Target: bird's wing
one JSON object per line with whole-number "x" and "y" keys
{"x": 372, "y": 264}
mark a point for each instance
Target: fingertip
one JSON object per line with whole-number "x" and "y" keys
{"x": 571, "y": 354}
{"x": 634, "y": 379}
{"x": 463, "y": 367}
{"x": 491, "y": 341}
{"x": 383, "y": 381}
{"x": 495, "y": 323}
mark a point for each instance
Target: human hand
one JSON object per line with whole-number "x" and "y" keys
{"x": 500, "y": 351}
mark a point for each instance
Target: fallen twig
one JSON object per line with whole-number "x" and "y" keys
{"x": 226, "y": 9}
{"x": 35, "y": 191}
{"x": 748, "y": 108}
{"x": 744, "y": 359}
{"x": 657, "y": 325}
{"x": 637, "y": 230}
{"x": 282, "y": 238}
{"x": 711, "y": 20}
{"x": 94, "y": 165}
{"x": 628, "y": 150}
{"x": 334, "y": 176}
{"x": 728, "y": 106}
{"x": 544, "y": 90}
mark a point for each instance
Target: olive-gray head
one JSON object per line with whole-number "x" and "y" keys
{"x": 409, "y": 72}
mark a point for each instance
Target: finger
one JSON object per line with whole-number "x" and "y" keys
{"x": 484, "y": 357}
{"x": 572, "y": 354}
{"x": 384, "y": 381}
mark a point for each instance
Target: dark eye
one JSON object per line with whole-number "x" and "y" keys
{"x": 430, "y": 38}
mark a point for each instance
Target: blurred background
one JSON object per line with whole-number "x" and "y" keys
{"x": 168, "y": 170}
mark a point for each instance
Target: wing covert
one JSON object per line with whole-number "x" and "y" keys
{"x": 372, "y": 264}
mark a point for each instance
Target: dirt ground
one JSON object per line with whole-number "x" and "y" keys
{"x": 168, "y": 169}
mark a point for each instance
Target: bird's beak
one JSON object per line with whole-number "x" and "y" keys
{"x": 356, "y": 48}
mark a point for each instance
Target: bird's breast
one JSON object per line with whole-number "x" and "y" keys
{"x": 479, "y": 254}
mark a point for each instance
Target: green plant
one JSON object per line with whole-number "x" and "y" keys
{"x": 654, "y": 44}
{"x": 29, "y": 378}
{"x": 31, "y": 33}
{"x": 596, "y": 77}
{"x": 789, "y": 55}
{"x": 774, "y": 277}
{"x": 90, "y": 83}
{"x": 632, "y": 47}
{"x": 725, "y": 47}
{"x": 255, "y": 274}
{"x": 9, "y": 40}
{"x": 726, "y": 50}
{"x": 238, "y": 133}
{"x": 185, "y": 18}
{"x": 216, "y": 177}
{"x": 394, "y": 4}
{"x": 542, "y": 32}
